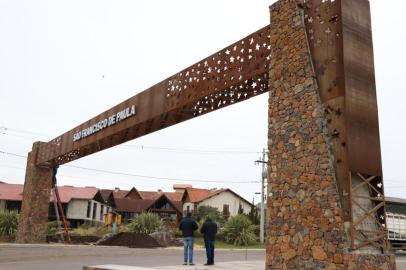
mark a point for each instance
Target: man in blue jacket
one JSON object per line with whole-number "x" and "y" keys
{"x": 188, "y": 227}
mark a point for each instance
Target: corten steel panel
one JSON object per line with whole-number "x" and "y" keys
{"x": 339, "y": 34}
{"x": 231, "y": 75}
{"x": 360, "y": 92}
{"x": 324, "y": 30}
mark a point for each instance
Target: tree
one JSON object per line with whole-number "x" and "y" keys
{"x": 208, "y": 211}
{"x": 254, "y": 216}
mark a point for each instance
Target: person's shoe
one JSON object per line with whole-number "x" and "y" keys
{"x": 191, "y": 264}
{"x": 184, "y": 263}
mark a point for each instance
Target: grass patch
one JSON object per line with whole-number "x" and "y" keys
{"x": 90, "y": 231}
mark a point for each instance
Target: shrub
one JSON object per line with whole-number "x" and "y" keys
{"x": 8, "y": 223}
{"x": 145, "y": 223}
{"x": 53, "y": 227}
{"x": 212, "y": 212}
{"x": 239, "y": 231}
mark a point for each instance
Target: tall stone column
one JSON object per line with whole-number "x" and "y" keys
{"x": 33, "y": 220}
{"x": 306, "y": 220}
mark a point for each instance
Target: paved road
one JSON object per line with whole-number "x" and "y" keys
{"x": 61, "y": 257}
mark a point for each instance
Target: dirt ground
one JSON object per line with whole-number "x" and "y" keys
{"x": 132, "y": 240}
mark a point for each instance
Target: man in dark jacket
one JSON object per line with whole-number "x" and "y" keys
{"x": 188, "y": 227}
{"x": 209, "y": 230}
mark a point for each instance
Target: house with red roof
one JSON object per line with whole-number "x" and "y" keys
{"x": 80, "y": 204}
{"x": 89, "y": 204}
{"x": 225, "y": 200}
{"x": 11, "y": 196}
{"x": 129, "y": 203}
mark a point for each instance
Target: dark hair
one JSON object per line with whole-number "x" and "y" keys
{"x": 189, "y": 214}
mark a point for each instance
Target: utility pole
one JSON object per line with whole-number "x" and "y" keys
{"x": 263, "y": 177}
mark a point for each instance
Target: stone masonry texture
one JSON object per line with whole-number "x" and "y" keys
{"x": 34, "y": 210}
{"x": 305, "y": 221}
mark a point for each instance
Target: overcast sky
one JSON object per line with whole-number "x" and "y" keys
{"x": 63, "y": 62}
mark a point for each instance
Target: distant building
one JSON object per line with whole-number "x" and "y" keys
{"x": 89, "y": 204}
{"x": 11, "y": 196}
{"x": 181, "y": 187}
{"x": 80, "y": 204}
{"x": 396, "y": 222}
{"x": 225, "y": 200}
{"x": 129, "y": 203}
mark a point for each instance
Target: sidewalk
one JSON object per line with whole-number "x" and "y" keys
{"x": 234, "y": 265}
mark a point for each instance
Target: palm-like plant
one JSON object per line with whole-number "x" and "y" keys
{"x": 145, "y": 223}
{"x": 239, "y": 231}
{"x": 8, "y": 223}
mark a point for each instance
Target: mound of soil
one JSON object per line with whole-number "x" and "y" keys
{"x": 129, "y": 239}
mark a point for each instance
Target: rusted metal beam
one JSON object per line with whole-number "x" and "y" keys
{"x": 234, "y": 74}
{"x": 340, "y": 40}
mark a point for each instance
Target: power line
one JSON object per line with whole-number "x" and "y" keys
{"x": 23, "y": 131}
{"x": 190, "y": 150}
{"x": 144, "y": 176}
{"x": 188, "y": 180}
{"x": 12, "y": 154}
{"x": 84, "y": 178}
{"x": 142, "y": 147}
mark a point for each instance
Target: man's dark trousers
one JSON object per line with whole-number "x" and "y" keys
{"x": 209, "y": 251}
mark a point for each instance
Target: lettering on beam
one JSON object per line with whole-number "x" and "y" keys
{"x": 102, "y": 124}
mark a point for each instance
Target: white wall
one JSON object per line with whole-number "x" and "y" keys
{"x": 77, "y": 209}
{"x": 229, "y": 198}
{"x": 191, "y": 206}
{"x": 2, "y": 205}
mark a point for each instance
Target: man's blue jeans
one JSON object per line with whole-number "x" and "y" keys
{"x": 188, "y": 249}
{"x": 209, "y": 251}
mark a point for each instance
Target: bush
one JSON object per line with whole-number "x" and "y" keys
{"x": 145, "y": 223}
{"x": 53, "y": 227}
{"x": 212, "y": 212}
{"x": 239, "y": 231}
{"x": 8, "y": 223}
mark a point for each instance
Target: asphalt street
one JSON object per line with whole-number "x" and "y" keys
{"x": 63, "y": 257}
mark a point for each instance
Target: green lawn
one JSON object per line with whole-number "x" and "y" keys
{"x": 199, "y": 242}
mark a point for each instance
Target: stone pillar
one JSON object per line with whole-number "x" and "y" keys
{"x": 33, "y": 220}
{"x": 306, "y": 228}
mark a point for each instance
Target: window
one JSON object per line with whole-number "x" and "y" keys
{"x": 89, "y": 205}
{"x": 101, "y": 211}
{"x": 94, "y": 210}
{"x": 188, "y": 209}
{"x": 226, "y": 211}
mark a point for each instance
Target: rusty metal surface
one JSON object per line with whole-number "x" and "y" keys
{"x": 369, "y": 228}
{"x": 339, "y": 34}
{"x": 340, "y": 40}
{"x": 234, "y": 74}
{"x": 324, "y": 31}
{"x": 360, "y": 91}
